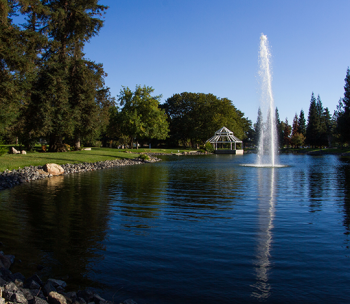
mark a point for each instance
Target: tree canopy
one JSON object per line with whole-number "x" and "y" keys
{"x": 194, "y": 117}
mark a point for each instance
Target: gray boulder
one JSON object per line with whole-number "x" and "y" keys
{"x": 56, "y": 298}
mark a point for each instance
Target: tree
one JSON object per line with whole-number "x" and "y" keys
{"x": 194, "y": 117}
{"x": 343, "y": 111}
{"x": 302, "y": 123}
{"x": 313, "y": 125}
{"x": 258, "y": 127}
{"x": 141, "y": 116}
{"x": 286, "y": 133}
{"x": 279, "y": 128}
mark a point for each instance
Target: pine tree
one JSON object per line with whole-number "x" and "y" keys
{"x": 279, "y": 128}
{"x": 295, "y": 127}
{"x": 258, "y": 127}
{"x": 313, "y": 125}
{"x": 286, "y": 133}
{"x": 343, "y": 111}
{"x": 302, "y": 123}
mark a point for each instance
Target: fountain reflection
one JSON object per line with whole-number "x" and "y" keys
{"x": 266, "y": 214}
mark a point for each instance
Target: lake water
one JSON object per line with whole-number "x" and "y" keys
{"x": 192, "y": 229}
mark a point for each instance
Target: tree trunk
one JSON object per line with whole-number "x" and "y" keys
{"x": 77, "y": 139}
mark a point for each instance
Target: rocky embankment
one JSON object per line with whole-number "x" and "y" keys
{"x": 9, "y": 179}
{"x": 15, "y": 288}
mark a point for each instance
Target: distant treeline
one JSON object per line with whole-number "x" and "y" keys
{"x": 321, "y": 128}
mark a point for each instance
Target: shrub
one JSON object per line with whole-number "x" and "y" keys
{"x": 144, "y": 157}
{"x": 4, "y": 150}
{"x": 209, "y": 147}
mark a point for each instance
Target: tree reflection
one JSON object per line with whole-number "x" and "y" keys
{"x": 343, "y": 174}
{"x": 60, "y": 223}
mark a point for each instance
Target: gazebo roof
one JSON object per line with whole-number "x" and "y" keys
{"x": 224, "y": 135}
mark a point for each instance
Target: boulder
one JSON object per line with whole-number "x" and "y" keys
{"x": 38, "y": 300}
{"x": 23, "y": 152}
{"x": 53, "y": 169}
{"x": 56, "y": 298}
{"x": 14, "y": 151}
{"x": 18, "y": 297}
{"x": 49, "y": 288}
{"x": 34, "y": 282}
{"x": 57, "y": 283}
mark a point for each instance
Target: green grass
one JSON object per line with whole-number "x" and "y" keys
{"x": 14, "y": 161}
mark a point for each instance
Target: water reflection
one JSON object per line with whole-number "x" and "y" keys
{"x": 60, "y": 223}
{"x": 266, "y": 214}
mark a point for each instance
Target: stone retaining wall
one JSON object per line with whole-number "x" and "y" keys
{"x": 9, "y": 179}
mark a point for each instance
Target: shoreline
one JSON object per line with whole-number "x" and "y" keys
{"x": 9, "y": 179}
{"x": 15, "y": 288}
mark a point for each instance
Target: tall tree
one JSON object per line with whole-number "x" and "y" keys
{"x": 286, "y": 133}
{"x": 141, "y": 116}
{"x": 302, "y": 123}
{"x": 313, "y": 125}
{"x": 279, "y": 128}
{"x": 194, "y": 117}
{"x": 343, "y": 111}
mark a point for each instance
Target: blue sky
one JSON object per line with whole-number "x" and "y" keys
{"x": 212, "y": 47}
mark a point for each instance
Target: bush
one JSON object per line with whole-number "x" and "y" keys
{"x": 209, "y": 147}
{"x": 144, "y": 157}
{"x": 4, "y": 150}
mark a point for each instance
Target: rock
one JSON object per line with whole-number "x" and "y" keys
{"x": 38, "y": 300}
{"x": 53, "y": 169}
{"x": 7, "y": 295}
{"x": 37, "y": 293}
{"x": 42, "y": 172}
{"x": 11, "y": 287}
{"x": 129, "y": 301}
{"x": 97, "y": 299}
{"x": 27, "y": 294}
{"x": 18, "y": 297}
{"x": 5, "y": 273}
{"x": 17, "y": 276}
{"x": 30, "y": 282}
{"x": 57, "y": 283}
{"x": 5, "y": 261}
{"x": 87, "y": 295}
{"x": 14, "y": 151}
{"x": 87, "y": 149}
{"x": 23, "y": 152}
{"x": 49, "y": 288}
{"x": 2, "y": 282}
{"x": 56, "y": 298}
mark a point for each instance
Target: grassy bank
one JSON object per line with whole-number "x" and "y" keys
{"x": 14, "y": 161}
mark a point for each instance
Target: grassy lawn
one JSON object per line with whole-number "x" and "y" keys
{"x": 14, "y": 161}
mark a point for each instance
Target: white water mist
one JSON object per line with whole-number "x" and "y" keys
{"x": 267, "y": 152}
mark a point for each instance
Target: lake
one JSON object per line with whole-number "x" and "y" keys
{"x": 190, "y": 229}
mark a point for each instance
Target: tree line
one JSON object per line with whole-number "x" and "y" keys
{"x": 321, "y": 129}
{"x": 50, "y": 91}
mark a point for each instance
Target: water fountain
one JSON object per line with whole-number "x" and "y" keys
{"x": 267, "y": 147}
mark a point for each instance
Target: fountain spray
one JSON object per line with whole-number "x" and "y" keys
{"x": 268, "y": 135}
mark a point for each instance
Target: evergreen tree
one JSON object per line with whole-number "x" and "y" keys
{"x": 286, "y": 133}
{"x": 279, "y": 128}
{"x": 295, "y": 126}
{"x": 258, "y": 127}
{"x": 302, "y": 123}
{"x": 343, "y": 111}
{"x": 328, "y": 128}
{"x": 313, "y": 125}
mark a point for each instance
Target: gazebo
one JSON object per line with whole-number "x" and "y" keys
{"x": 225, "y": 136}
